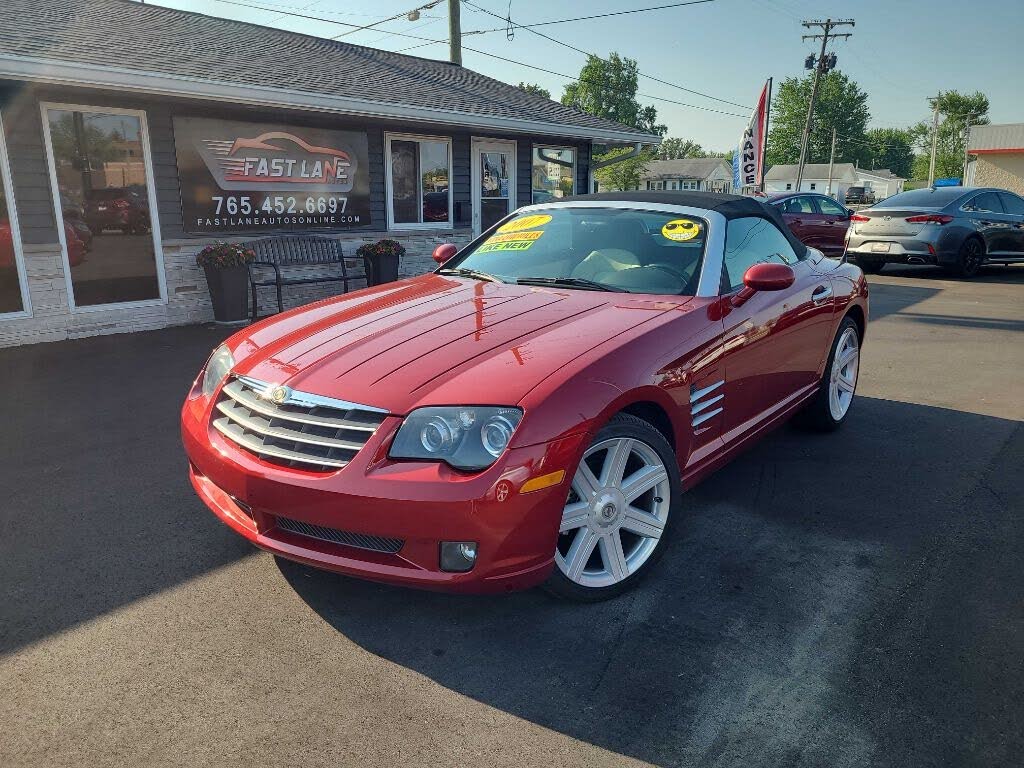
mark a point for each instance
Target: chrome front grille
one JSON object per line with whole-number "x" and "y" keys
{"x": 294, "y": 429}
{"x": 349, "y": 539}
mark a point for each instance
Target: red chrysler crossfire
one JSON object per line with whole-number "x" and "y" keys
{"x": 532, "y": 411}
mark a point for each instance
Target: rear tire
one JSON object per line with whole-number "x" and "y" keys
{"x": 829, "y": 408}
{"x": 609, "y": 538}
{"x": 970, "y": 258}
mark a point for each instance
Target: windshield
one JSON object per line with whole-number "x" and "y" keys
{"x": 629, "y": 251}
{"x": 938, "y": 197}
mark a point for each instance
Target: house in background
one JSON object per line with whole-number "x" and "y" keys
{"x": 708, "y": 174}
{"x": 782, "y": 178}
{"x": 883, "y": 182}
{"x": 999, "y": 157}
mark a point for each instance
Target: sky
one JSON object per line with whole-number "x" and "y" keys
{"x": 900, "y": 52}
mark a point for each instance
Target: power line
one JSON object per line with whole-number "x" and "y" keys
{"x": 430, "y": 41}
{"x": 529, "y": 28}
{"x": 588, "y": 18}
{"x": 411, "y": 11}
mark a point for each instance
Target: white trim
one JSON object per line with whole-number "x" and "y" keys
{"x": 154, "y": 214}
{"x": 478, "y": 144}
{"x": 559, "y": 148}
{"x": 122, "y": 79}
{"x": 389, "y": 197}
{"x": 714, "y": 245}
{"x": 12, "y": 219}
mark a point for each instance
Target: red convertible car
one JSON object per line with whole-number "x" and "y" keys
{"x": 533, "y": 410}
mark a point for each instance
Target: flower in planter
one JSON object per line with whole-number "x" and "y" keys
{"x": 225, "y": 255}
{"x": 381, "y": 248}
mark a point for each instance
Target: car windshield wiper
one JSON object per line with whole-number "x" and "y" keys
{"x": 475, "y": 273}
{"x": 569, "y": 282}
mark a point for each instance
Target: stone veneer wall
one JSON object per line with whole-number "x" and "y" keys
{"x": 188, "y": 300}
{"x": 1005, "y": 171}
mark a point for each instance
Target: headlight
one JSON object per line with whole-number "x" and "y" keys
{"x": 217, "y": 368}
{"x": 465, "y": 438}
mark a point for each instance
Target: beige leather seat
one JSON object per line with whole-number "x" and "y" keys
{"x": 603, "y": 264}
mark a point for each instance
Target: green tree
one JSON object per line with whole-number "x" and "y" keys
{"x": 607, "y": 88}
{"x": 957, "y": 111}
{"x": 675, "y": 149}
{"x": 891, "y": 148}
{"x": 535, "y": 89}
{"x": 841, "y": 105}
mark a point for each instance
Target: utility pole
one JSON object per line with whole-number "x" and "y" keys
{"x": 831, "y": 161}
{"x": 824, "y": 64}
{"x": 967, "y": 146}
{"x": 935, "y": 142}
{"x": 454, "y": 33}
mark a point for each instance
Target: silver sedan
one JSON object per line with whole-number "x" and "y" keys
{"x": 958, "y": 228}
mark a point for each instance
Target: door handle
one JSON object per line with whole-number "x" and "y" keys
{"x": 821, "y": 293}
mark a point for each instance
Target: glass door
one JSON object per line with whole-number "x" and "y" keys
{"x": 494, "y": 182}
{"x": 103, "y": 189}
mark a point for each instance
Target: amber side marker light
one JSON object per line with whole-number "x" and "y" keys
{"x": 542, "y": 482}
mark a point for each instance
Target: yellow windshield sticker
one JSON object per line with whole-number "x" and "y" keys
{"x": 527, "y": 222}
{"x": 535, "y": 235}
{"x": 507, "y": 245}
{"x": 680, "y": 230}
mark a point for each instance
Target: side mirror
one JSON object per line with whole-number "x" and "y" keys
{"x": 764, "y": 277}
{"x": 444, "y": 252}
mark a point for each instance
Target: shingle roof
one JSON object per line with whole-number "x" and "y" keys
{"x": 685, "y": 168}
{"x": 104, "y": 38}
{"x": 811, "y": 171}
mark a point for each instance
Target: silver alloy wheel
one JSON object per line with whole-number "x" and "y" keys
{"x": 613, "y": 519}
{"x": 843, "y": 379}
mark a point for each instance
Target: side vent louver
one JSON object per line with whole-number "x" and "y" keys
{"x": 703, "y": 402}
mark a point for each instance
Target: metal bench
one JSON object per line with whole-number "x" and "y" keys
{"x": 275, "y": 253}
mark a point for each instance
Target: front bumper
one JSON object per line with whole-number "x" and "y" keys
{"x": 419, "y": 503}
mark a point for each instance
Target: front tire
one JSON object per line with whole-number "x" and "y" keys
{"x": 831, "y": 405}
{"x": 624, "y": 498}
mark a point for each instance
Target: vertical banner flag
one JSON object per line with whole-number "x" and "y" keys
{"x": 748, "y": 160}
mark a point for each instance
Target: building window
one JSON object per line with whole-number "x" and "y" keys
{"x": 674, "y": 185}
{"x": 419, "y": 170}
{"x": 789, "y": 186}
{"x": 103, "y": 196}
{"x": 554, "y": 173}
{"x": 813, "y": 186}
{"x": 12, "y": 265}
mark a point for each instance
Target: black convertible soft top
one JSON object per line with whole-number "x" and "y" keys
{"x": 729, "y": 206}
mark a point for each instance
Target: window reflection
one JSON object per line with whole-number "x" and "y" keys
{"x": 420, "y": 177}
{"x": 10, "y": 287}
{"x": 102, "y": 187}
{"x": 553, "y": 173}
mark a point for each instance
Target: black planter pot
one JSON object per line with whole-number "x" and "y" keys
{"x": 381, "y": 269}
{"x": 229, "y": 291}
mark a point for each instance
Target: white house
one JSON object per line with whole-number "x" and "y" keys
{"x": 710, "y": 174}
{"x": 883, "y": 182}
{"x": 782, "y": 178}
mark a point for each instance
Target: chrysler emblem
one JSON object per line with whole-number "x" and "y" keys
{"x": 887, "y": 218}
{"x": 279, "y": 395}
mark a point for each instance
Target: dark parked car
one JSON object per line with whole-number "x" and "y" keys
{"x": 817, "y": 220}
{"x": 120, "y": 208}
{"x": 959, "y": 228}
{"x": 860, "y": 195}
{"x": 75, "y": 218}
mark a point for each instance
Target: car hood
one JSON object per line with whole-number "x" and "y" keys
{"x": 437, "y": 340}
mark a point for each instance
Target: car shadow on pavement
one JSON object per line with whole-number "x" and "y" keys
{"x": 97, "y": 510}
{"x": 1001, "y": 274}
{"x": 788, "y": 623}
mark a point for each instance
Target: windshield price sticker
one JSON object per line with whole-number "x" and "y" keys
{"x": 507, "y": 245}
{"x": 527, "y": 222}
{"x": 680, "y": 230}
{"x": 535, "y": 235}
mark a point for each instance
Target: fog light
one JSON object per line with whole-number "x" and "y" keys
{"x": 458, "y": 556}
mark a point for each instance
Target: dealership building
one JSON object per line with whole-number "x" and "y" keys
{"x": 133, "y": 135}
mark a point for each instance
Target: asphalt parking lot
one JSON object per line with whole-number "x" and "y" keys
{"x": 846, "y": 600}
